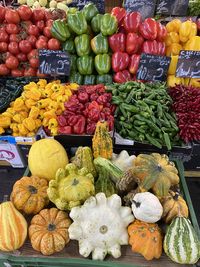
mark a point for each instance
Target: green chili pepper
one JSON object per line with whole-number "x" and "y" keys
{"x": 153, "y": 141}
{"x": 130, "y": 108}
{"x": 167, "y": 141}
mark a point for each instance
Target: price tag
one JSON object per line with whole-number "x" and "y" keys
{"x": 188, "y": 64}
{"x": 172, "y": 7}
{"x": 100, "y": 4}
{"x": 54, "y": 62}
{"x": 145, "y": 7}
{"x": 153, "y": 68}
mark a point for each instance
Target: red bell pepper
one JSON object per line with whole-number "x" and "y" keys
{"x": 132, "y": 21}
{"x": 79, "y": 126}
{"x": 122, "y": 76}
{"x": 149, "y": 29}
{"x": 134, "y": 63}
{"x": 161, "y": 48}
{"x": 119, "y": 13}
{"x": 65, "y": 130}
{"x": 120, "y": 61}
{"x": 61, "y": 120}
{"x": 117, "y": 42}
{"x": 90, "y": 129}
{"x": 162, "y": 32}
{"x": 133, "y": 43}
{"x": 121, "y": 29}
{"x": 154, "y": 48}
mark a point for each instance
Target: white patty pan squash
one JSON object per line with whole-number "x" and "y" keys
{"x": 100, "y": 226}
{"x": 146, "y": 207}
{"x": 71, "y": 187}
{"x": 123, "y": 161}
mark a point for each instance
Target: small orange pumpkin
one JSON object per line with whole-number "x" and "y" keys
{"x": 48, "y": 231}
{"x": 146, "y": 239}
{"x": 29, "y": 194}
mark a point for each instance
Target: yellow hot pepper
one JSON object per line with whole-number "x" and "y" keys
{"x": 193, "y": 82}
{"x": 187, "y": 30}
{"x": 34, "y": 112}
{"x": 42, "y": 83}
{"x": 2, "y": 130}
{"x": 33, "y": 94}
{"x": 193, "y": 44}
{"x": 172, "y": 80}
{"x": 173, "y": 65}
{"x": 173, "y": 50}
{"x": 18, "y": 118}
{"x": 18, "y": 104}
{"x": 174, "y": 25}
{"x": 5, "y": 121}
{"x": 23, "y": 131}
{"x": 29, "y": 123}
{"x": 30, "y": 103}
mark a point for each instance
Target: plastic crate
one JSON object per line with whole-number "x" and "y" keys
{"x": 70, "y": 257}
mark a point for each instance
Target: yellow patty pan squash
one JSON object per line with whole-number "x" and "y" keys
{"x": 71, "y": 187}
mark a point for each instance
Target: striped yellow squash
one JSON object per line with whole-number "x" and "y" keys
{"x": 13, "y": 227}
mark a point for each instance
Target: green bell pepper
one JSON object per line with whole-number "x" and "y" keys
{"x": 60, "y": 30}
{"x": 73, "y": 66}
{"x": 85, "y": 65}
{"x": 89, "y": 11}
{"x": 105, "y": 79}
{"x": 77, "y": 23}
{"x": 76, "y": 77}
{"x": 96, "y": 23}
{"x": 99, "y": 44}
{"x": 72, "y": 10}
{"x": 69, "y": 46}
{"x": 108, "y": 24}
{"x": 102, "y": 63}
{"x": 89, "y": 79}
{"x": 82, "y": 44}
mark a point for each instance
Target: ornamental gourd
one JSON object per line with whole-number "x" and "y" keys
{"x": 102, "y": 141}
{"x": 181, "y": 243}
{"x": 123, "y": 161}
{"x": 71, "y": 187}
{"x": 48, "y": 231}
{"x": 100, "y": 226}
{"x": 146, "y": 239}
{"x": 13, "y": 227}
{"x": 29, "y": 194}
{"x": 146, "y": 207}
{"x": 173, "y": 205}
{"x": 155, "y": 172}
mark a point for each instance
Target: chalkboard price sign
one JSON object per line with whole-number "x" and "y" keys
{"x": 145, "y": 7}
{"x": 172, "y": 7}
{"x": 100, "y": 4}
{"x": 54, "y": 62}
{"x": 188, "y": 64}
{"x": 153, "y": 67}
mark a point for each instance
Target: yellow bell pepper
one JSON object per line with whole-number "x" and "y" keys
{"x": 33, "y": 94}
{"x": 193, "y": 44}
{"x": 172, "y": 37}
{"x": 18, "y": 118}
{"x": 42, "y": 83}
{"x": 4, "y": 121}
{"x": 54, "y": 131}
{"x": 187, "y": 30}
{"x": 31, "y": 134}
{"x": 23, "y": 131}
{"x": 2, "y": 130}
{"x": 174, "y": 25}
{"x": 38, "y": 123}
{"x": 173, "y": 50}
{"x": 34, "y": 112}
{"x": 173, "y": 65}
{"x": 14, "y": 127}
{"x": 29, "y": 123}
{"x": 18, "y": 104}
{"x": 173, "y": 81}
{"x": 52, "y": 123}
{"x": 30, "y": 103}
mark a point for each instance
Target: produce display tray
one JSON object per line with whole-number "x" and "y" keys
{"x": 70, "y": 257}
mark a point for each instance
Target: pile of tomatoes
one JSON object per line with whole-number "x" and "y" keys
{"x": 22, "y": 32}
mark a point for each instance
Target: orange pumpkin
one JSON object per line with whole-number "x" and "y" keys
{"x": 29, "y": 194}
{"x": 48, "y": 231}
{"x": 13, "y": 227}
{"x": 146, "y": 239}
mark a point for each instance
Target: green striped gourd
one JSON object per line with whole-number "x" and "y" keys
{"x": 181, "y": 243}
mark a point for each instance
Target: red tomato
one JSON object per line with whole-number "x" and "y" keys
{"x": 41, "y": 44}
{"x": 34, "y": 62}
{"x": 12, "y": 16}
{"x": 17, "y": 73}
{"x": 47, "y": 32}
{"x": 12, "y": 62}
{"x": 33, "y": 30}
{"x": 12, "y": 28}
{"x": 3, "y": 47}
{"x": 4, "y": 70}
{"x": 40, "y": 24}
{"x": 4, "y": 37}
{"x": 41, "y": 75}
{"x": 29, "y": 72}
{"x": 53, "y": 44}
{"x": 43, "y": 38}
{"x": 2, "y": 13}
{"x": 2, "y": 28}
{"x": 32, "y": 40}
{"x": 49, "y": 23}
{"x": 33, "y": 53}
{"x": 13, "y": 48}
{"x": 25, "y": 47}
{"x": 25, "y": 12}
{"x": 38, "y": 14}
{"x": 15, "y": 38}
{"x": 22, "y": 57}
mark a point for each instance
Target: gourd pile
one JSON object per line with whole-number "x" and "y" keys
{"x": 102, "y": 200}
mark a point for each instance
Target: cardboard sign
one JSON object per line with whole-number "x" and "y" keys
{"x": 145, "y": 7}
{"x": 100, "y": 4}
{"x": 172, "y": 7}
{"x": 153, "y": 67}
{"x": 54, "y": 62}
{"x": 188, "y": 64}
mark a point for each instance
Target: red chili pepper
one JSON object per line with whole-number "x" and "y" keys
{"x": 61, "y": 120}
{"x": 134, "y": 63}
{"x": 162, "y": 32}
{"x": 132, "y": 21}
{"x": 92, "y": 105}
{"x": 122, "y": 76}
{"x": 133, "y": 43}
{"x": 120, "y": 61}
{"x": 73, "y": 120}
{"x": 117, "y": 42}
{"x": 90, "y": 129}
{"x": 149, "y": 29}
{"x": 65, "y": 130}
{"x": 71, "y": 105}
{"x": 119, "y": 13}
{"x": 83, "y": 97}
{"x": 79, "y": 127}
{"x": 93, "y": 97}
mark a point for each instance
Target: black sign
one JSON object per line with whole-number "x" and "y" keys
{"x": 172, "y": 7}
{"x": 145, "y": 7}
{"x": 153, "y": 68}
{"x": 100, "y": 4}
{"x": 188, "y": 64}
{"x": 54, "y": 62}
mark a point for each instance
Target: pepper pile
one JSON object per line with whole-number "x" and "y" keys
{"x": 84, "y": 109}
{"x": 186, "y": 104}
{"x": 90, "y": 61}
{"x": 133, "y": 38}
{"x": 144, "y": 113}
